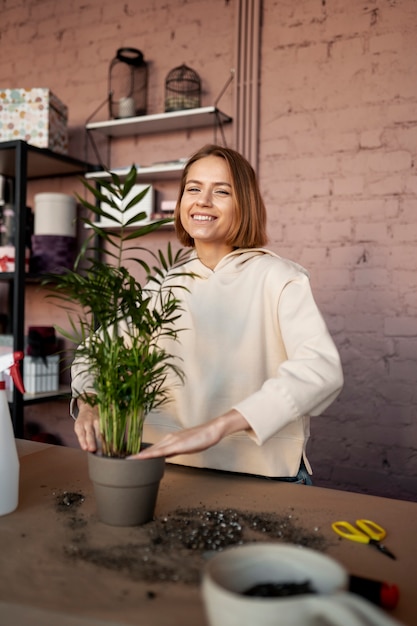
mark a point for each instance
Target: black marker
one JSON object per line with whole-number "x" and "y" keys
{"x": 382, "y": 594}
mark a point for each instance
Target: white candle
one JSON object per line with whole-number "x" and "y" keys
{"x": 126, "y": 107}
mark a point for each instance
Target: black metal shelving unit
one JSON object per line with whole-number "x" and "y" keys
{"x": 24, "y": 162}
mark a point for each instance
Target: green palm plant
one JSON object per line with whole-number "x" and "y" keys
{"x": 117, "y": 322}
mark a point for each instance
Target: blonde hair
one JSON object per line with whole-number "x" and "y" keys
{"x": 249, "y": 229}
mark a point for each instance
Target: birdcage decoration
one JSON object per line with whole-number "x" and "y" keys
{"x": 182, "y": 89}
{"x": 128, "y": 82}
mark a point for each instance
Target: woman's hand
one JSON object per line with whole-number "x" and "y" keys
{"x": 86, "y": 426}
{"x": 196, "y": 439}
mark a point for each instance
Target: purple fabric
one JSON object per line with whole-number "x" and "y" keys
{"x": 52, "y": 253}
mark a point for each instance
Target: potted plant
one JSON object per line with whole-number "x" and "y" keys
{"x": 116, "y": 322}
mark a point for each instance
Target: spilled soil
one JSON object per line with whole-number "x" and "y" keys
{"x": 174, "y": 548}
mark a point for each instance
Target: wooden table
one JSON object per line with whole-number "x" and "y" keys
{"x": 41, "y": 585}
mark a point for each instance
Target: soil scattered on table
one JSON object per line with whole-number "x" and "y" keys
{"x": 174, "y": 548}
{"x": 69, "y": 499}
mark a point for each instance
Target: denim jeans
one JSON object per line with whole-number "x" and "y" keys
{"x": 302, "y": 478}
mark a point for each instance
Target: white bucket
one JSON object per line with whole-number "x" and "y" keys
{"x": 55, "y": 214}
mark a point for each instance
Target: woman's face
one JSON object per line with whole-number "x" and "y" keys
{"x": 207, "y": 207}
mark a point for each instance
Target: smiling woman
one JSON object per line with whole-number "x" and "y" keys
{"x": 255, "y": 352}
{"x": 208, "y": 208}
{"x": 239, "y": 180}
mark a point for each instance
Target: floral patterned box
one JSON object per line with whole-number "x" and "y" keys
{"x": 36, "y": 116}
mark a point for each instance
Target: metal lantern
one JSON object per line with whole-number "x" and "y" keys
{"x": 128, "y": 81}
{"x": 182, "y": 89}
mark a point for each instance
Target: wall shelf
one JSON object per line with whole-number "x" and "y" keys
{"x": 202, "y": 117}
{"x": 161, "y": 122}
{"x": 159, "y": 171}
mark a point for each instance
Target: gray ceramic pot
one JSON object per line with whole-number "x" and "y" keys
{"x": 125, "y": 490}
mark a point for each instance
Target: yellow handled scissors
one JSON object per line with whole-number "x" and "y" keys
{"x": 365, "y": 531}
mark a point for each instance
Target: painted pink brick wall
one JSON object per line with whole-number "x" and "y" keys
{"x": 338, "y": 126}
{"x": 338, "y": 137}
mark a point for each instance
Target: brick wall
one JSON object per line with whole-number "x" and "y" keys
{"x": 338, "y": 134}
{"x": 337, "y": 152}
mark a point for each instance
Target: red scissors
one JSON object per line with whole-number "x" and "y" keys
{"x": 365, "y": 531}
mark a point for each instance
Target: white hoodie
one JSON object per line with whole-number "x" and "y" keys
{"x": 253, "y": 339}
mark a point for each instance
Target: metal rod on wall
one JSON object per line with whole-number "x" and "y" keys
{"x": 248, "y": 24}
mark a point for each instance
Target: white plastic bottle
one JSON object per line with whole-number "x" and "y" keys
{"x": 9, "y": 460}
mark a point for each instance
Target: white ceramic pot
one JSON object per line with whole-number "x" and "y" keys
{"x": 236, "y": 570}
